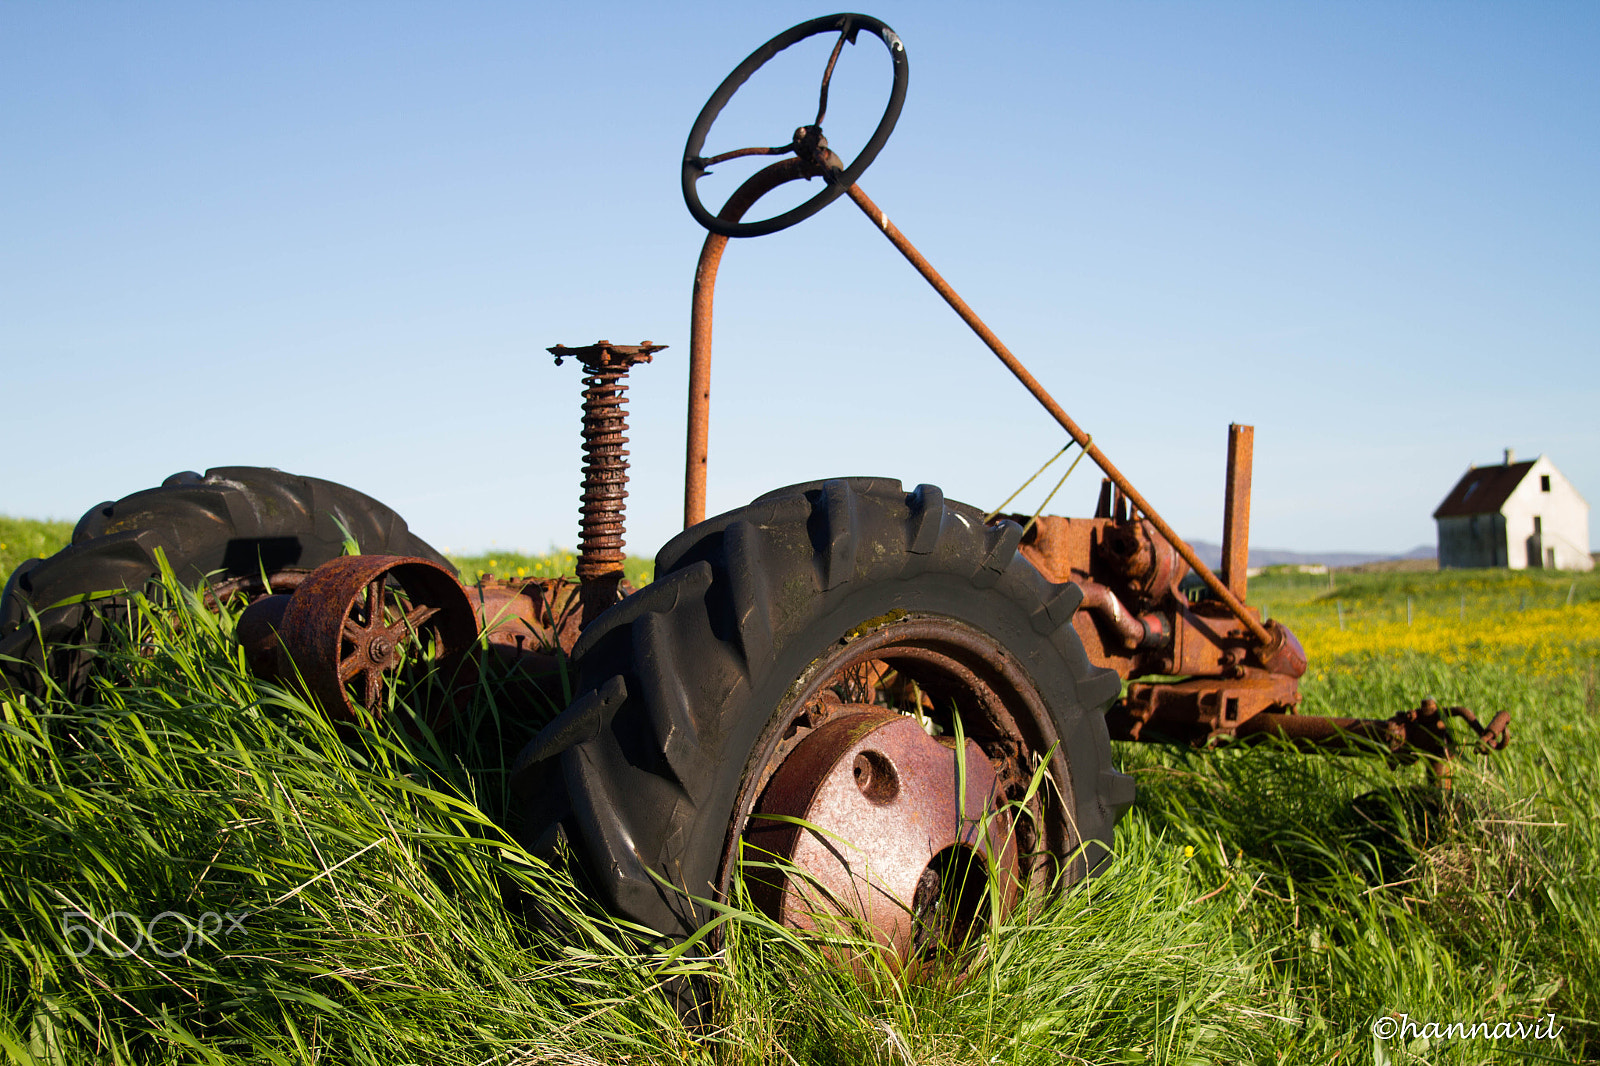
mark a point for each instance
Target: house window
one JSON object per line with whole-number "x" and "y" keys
{"x": 1538, "y": 526}
{"x": 1544, "y": 482}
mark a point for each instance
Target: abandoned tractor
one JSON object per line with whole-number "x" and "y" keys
{"x": 867, "y": 687}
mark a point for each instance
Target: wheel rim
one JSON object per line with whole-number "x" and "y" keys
{"x": 357, "y": 620}
{"x": 953, "y": 821}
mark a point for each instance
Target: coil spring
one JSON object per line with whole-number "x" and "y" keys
{"x": 605, "y": 471}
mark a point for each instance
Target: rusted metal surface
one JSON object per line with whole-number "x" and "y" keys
{"x": 1013, "y": 364}
{"x": 257, "y": 633}
{"x": 1419, "y": 733}
{"x": 898, "y": 827}
{"x": 356, "y": 619}
{"x": 1205, "y": 711}
{"x": 812, "y": 158}
{"x": 252, "y": 587}
{"x": 1236, "y": 510}
{"x": 257, "y": 628}
{"x": 1149, "y": 631}
{"x": 605, "y": 468}
{"x": 529, "y": 616}
{"x": 1145, "y": 563}
{"x": 529, "y": 626}
{"x": 1135, "y": 619}
{"x": 700, "y": 325}
{"x": 1199, "y": 710}
{"x": 924, "y": 672}
{"x": 1283, "y": 653}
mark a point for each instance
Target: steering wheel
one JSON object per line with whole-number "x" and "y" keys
{"x": 808, "y": 144}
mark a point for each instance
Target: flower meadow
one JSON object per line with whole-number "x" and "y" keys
{"x": 1544, "y": 622}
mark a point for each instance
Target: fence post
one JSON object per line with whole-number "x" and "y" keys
{"x": 1408, "y": 610}
{"x": 1340, "y": 605}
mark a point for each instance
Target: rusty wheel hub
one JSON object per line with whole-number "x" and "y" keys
{"x": 899, "y": 830}
{"x": 869, "y": 814}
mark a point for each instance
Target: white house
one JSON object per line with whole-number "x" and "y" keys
{"x": 1516, "y": 515}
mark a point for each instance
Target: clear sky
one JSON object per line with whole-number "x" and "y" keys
{"x": 336, "y": 238}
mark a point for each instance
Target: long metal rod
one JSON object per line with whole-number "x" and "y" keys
{"x": 1013, "y": 364}
{"x": 705, "y": 286}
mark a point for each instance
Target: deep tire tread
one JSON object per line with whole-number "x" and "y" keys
{"x": 225, "y": 520}
{"x": 724, "y": 621}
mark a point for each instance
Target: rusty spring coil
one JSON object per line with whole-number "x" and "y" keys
{"x": 605, "y": 470}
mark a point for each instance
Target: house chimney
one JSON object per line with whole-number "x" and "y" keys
{"x": 1510, "y": 455}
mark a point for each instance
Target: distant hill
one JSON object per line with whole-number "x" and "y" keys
{"x": 1211, "y": 555}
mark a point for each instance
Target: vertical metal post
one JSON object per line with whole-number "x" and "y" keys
{"x": 705, "y": 288}
{"x": 1236, "y": 513}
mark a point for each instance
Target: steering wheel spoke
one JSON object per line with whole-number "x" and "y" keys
{"x": 827, "y": 74}
{"x": 740, "y": 153}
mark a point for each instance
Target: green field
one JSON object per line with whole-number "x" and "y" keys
{"x": 551, "y": 564}
{"x": 1262, "y": 906}
{"x": 25, "y": 538}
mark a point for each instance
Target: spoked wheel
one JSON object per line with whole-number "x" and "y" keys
{"x": 358, "y": 621}
{"x": 877, "y": 664}
{"x": 249, "y": 531}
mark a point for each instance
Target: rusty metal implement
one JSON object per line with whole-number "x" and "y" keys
{"x": 1232, "y": 666}
{"x": 893, "y": 775}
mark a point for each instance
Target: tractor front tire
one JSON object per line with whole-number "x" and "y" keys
{"x": 690, "y": 690}
{"x": 231, "y": 526}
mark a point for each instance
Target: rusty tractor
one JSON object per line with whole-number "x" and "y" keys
{"x": 872, "y": 687}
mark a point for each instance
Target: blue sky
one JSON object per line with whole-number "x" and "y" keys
{"x": 337, "y": 238}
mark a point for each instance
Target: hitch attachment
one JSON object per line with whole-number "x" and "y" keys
{"x": 1421, "y": 733}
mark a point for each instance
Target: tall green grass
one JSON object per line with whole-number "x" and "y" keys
{"x": 1261, "y": 906}
{"x": 366, "y": 884}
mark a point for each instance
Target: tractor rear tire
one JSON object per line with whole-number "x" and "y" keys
{"x": 686, "y": 688}
{"x": 233, "y": 524}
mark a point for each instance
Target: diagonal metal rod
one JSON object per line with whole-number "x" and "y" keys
{"x": 1013, "y": 364}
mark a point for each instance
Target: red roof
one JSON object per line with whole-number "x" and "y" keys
{"x": 1483, "y": 490}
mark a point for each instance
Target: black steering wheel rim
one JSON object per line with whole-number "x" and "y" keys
{"x": 694, "y": 165}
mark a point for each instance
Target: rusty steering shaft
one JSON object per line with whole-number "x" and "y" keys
{"x": 812, "y": 158}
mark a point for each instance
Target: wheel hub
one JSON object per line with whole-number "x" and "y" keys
{"x": 900, "y": 831}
